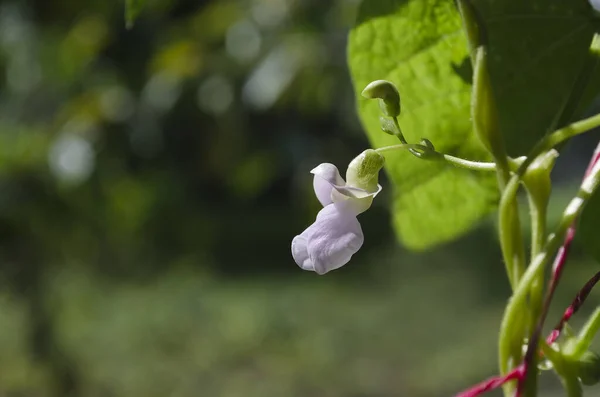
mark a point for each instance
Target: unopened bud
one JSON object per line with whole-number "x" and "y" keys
{"x": 363, "y": 171}
{"x": 388, "y": 95}
{"x": 537, "y": 178}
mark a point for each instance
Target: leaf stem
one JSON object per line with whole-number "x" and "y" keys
{"x": 568, "y": 132}
{"x": 399, "y": 133}
{"x": 563, "y": 368}
{"x": 538, "y": 227}
{"x": 572, "y": 385}
{"x": 550, "y": 141}
{"x": 429, "y": 154}
{"x": 537, "y": 209}
{"x": 508, "y": 199}
{"x": 538, "y": 238}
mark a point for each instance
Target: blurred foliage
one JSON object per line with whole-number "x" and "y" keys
{"x": 132, "y": 10}
{"x": 151, "y": 181}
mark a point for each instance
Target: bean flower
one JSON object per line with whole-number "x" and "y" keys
{"x": 336, "y": 235}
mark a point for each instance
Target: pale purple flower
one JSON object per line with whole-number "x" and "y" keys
{"x": 336, "y": 235}
{"x": 595, "y": 4}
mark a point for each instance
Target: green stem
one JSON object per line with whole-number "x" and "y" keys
{"x": 538, "y": 226}
{"x": 571, "y": 385}
{"x": 463, "y": 163}
{"x": 563, "y": 367}
{"x": 569, "y": 379}
{"x": 550, "y": 141}
{"x": 508, "y": 199}
{"x": 518, "y": 301}
{"x": 391, "y": 148}
{"x": 585, "y": 337}
{"x": 537, "y": 213}
{"x": 437, "y": 156}
{"x": 511, "y": 242}
{"x": 555, "y": 357}
{"x": 399, "y": 133}
{"x": 568, "y": 132}
{"x": 537, "y": 184}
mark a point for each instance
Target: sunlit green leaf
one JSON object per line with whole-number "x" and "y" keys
{"x": 419, "y": 45}
{"x": 536, "y": 52}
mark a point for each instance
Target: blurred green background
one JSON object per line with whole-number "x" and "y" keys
{"x": 151, "y": 181}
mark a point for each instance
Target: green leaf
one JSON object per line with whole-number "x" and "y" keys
{"x": 419, "y": 45}
{"x": 589, "y": 80}
{"x": 536, "y": 51}
{"x": 132, "y": 10}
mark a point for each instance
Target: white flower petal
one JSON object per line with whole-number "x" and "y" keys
{"x": 335, "y": 236}
{"x": 300, "y": 251}
{"x": 354, "y": 199}
{"x": 326, "y": 177}
{"x": 595, "y": 4}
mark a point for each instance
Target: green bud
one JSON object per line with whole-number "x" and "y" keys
{"x": 363, "y": 171}
{"x": 537, "y": 178}
{"x": 588, "y": 368}
{"x": 388, "y": 95}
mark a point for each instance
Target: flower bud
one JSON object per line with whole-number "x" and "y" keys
{"x": 363, "y": 171}
{"x": 388, "y": 95}
{"x": 588, "y": 368}
{"x": 537, "y": 178}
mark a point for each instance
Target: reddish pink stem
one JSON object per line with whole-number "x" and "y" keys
{"x": 557, "y": 269}
{"x": 493, "y": 383}
{"x": 520, "y": 372}
{"x": 559, "y": 262}
{"x": 574, "y": 307}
